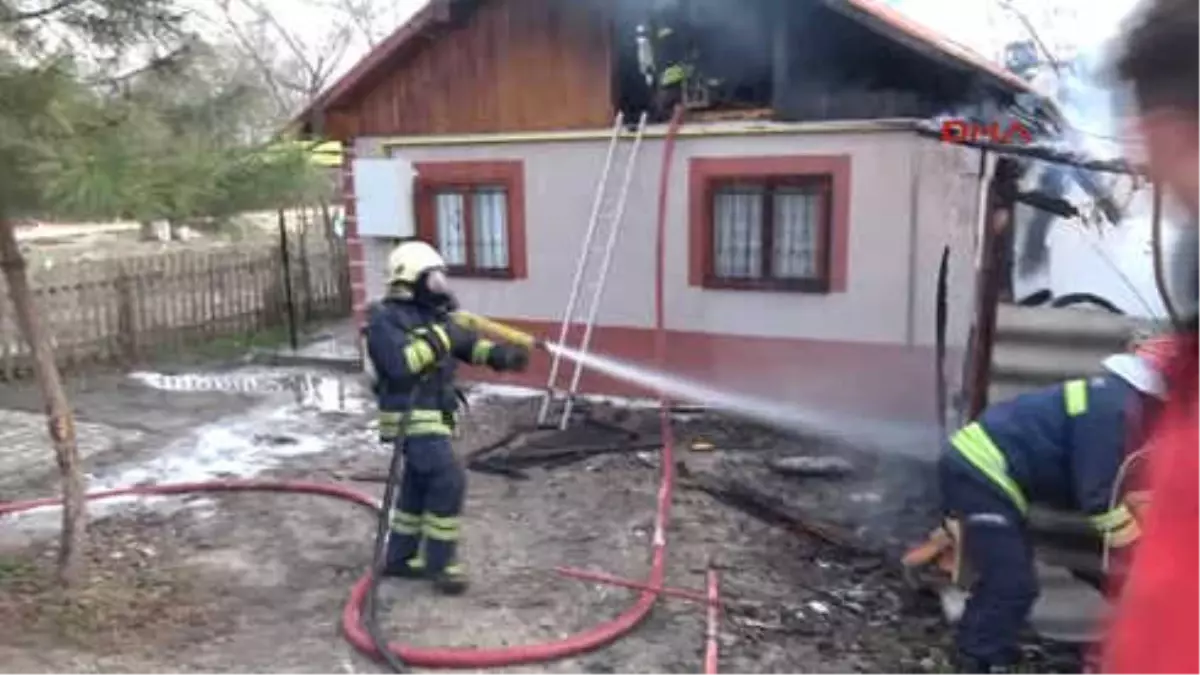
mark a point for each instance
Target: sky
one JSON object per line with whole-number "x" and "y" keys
{"x": 986, "y": 26}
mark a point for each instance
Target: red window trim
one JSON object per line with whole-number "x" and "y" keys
{"x": 707, "y": 173}
{"x": 435, "y": 176}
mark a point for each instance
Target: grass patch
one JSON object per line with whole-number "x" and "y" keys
{"x": 222, "y": 348}
{"x": 13, "y": 570}
{"x": 238, "y": 344}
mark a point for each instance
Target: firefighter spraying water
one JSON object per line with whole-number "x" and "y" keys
{"x": 414, "y": 346}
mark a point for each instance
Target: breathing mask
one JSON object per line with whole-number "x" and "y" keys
{"x": 433, "y": 290}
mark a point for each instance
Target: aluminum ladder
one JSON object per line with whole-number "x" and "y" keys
{"x": 605, "y": 214}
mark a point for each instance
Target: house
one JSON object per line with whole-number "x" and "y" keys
{"x": 806, "y": 220}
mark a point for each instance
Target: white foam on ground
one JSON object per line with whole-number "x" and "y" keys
{"x": 486, "y": 390}
{"x": 240, "y": 447}
{"x": 323, "y": 392}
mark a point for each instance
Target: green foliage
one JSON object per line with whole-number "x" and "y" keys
{"x": 186, "y": 136}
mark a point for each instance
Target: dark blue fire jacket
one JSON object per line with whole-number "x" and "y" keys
{"x": 1062, "y": 445}
{"x": 396, "y": 334}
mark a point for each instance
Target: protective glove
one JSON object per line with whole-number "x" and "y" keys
{"x": 941, "y": 551}
{"x": 508, "y": 358}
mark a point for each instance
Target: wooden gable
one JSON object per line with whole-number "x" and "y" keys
{"x": 507, "y": 66}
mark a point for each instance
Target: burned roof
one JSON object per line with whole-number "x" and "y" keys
{"x": 428, "y": 24}
{"x": 890, "y": 23}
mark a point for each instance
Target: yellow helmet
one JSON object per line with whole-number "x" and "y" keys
{"x": 410, "y": 260}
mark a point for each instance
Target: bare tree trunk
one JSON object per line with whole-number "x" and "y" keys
{"x": 60, "y": 420}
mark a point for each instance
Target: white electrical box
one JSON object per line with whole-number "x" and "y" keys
{"x": 383, "y": 192}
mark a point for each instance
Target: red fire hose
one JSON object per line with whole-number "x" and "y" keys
{"x": 473, "y": 658}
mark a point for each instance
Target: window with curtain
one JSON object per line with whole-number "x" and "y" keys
{"x": 770, "y": 233}
{"x": 472, "y": 228}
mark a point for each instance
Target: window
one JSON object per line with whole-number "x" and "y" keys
{"x": 769, "y": 223}
{"x": 473, "y": 212}
{"x": 472, "y": 228}
{"x": 770, "y": 232}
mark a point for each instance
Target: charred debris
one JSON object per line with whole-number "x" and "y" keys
{"x": 799, "y": 60}
{"x": 819, "y": 60}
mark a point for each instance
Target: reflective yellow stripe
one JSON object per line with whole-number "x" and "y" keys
{"x": 1126, "y": 535}
{"x": 430, "y": 429}
{"x": 440, "y": 535}
{"x": 389, "y": 424}
{"x": 420, "y": 423}
{"x": 446, "y": 522}
{"x": 481, "y": 350}
{"x": 418, "y": 355}
{"x": 1076, "y": 394}
{"x": 441, "y": 528}
{"x": 1112, "y": 520}
{"x": 438, "y": 331}
{"x": 442, "y": 336}
{"x": 978, "y": 449}
{"x": 406, "y": 523}
{"x": 456, "y": 569}
{"x": 664, "y": 32}
{"x": 673, "y": 75}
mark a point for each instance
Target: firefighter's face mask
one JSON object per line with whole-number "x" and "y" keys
{"x": 433, "y": 290}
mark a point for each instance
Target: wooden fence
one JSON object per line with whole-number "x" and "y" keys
{"x": 122, "y": 310}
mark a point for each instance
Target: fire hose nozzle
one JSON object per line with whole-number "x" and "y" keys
{"x": 498, "y": 330}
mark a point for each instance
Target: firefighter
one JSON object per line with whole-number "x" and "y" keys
{"x": 674, "y": 70}
{"x": 1061, "y": 445}
{"x": 413, "y": 347}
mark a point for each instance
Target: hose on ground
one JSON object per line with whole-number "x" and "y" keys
{"x": 467, "y": 658}
{"x": 382, "y": 531}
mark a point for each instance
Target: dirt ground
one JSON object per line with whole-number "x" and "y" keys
{"x": 256, "y": 582}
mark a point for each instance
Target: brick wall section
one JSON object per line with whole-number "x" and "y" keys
{"x": 354, "y": 245}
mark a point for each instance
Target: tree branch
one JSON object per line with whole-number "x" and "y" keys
{"x": 298, "y": 49}
{"x": 265, "y": 69}
{"x": 12, "y": 16}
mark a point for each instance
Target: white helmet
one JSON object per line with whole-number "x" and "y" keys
{"x": 409, "y": 260}
{"x": 1139, "y": 372}
{"x": 417, "y": 271}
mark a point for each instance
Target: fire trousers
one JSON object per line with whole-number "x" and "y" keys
{"x": 425, "y": 517}
{"x": 998, "y": 550}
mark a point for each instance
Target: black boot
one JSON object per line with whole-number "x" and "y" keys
{"x": 965, "y": 663}
{"x": 402, "y": 563}
{"x": 452, "y": 580}
{"x": 413, "y": 568}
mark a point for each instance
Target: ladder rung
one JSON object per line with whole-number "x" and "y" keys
{"x": 608, "y": 209}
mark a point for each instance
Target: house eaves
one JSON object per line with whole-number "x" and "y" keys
{"x": 873, "y": 14}
{"x": 420, "y": 27}
{"x": 888, "y": 22}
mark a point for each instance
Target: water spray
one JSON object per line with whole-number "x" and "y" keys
{"x": 907, "y": 438}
